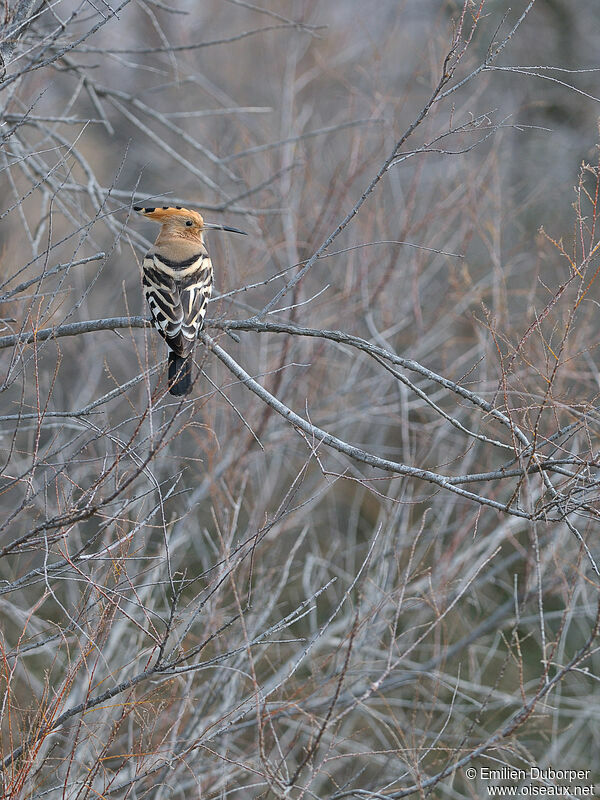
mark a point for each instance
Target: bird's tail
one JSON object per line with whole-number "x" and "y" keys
{"x": 180, "y": 374}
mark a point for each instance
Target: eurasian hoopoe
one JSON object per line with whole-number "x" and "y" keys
{"x": 178, "y": 281}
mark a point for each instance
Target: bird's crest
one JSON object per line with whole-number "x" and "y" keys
{"x": 165, "y": 213}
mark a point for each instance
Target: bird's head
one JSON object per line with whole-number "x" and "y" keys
{"x": 177, "y": 221}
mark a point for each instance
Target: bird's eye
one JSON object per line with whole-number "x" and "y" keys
{"x": 189, "y": 223}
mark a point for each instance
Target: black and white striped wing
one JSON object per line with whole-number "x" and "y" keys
{"x": 195, "y": 294}
{"x": 177, "y": 304}
{"x": 164, "y": 300}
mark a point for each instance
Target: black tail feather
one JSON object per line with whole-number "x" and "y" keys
{"x": 180, "y": 374}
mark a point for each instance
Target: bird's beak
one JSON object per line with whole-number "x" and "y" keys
{"x": 216, "y": 227}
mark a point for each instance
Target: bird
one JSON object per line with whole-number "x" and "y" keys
{"x": 177, "y": 279}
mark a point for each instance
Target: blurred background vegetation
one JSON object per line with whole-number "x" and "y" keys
{"x": 211, "y": 598}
